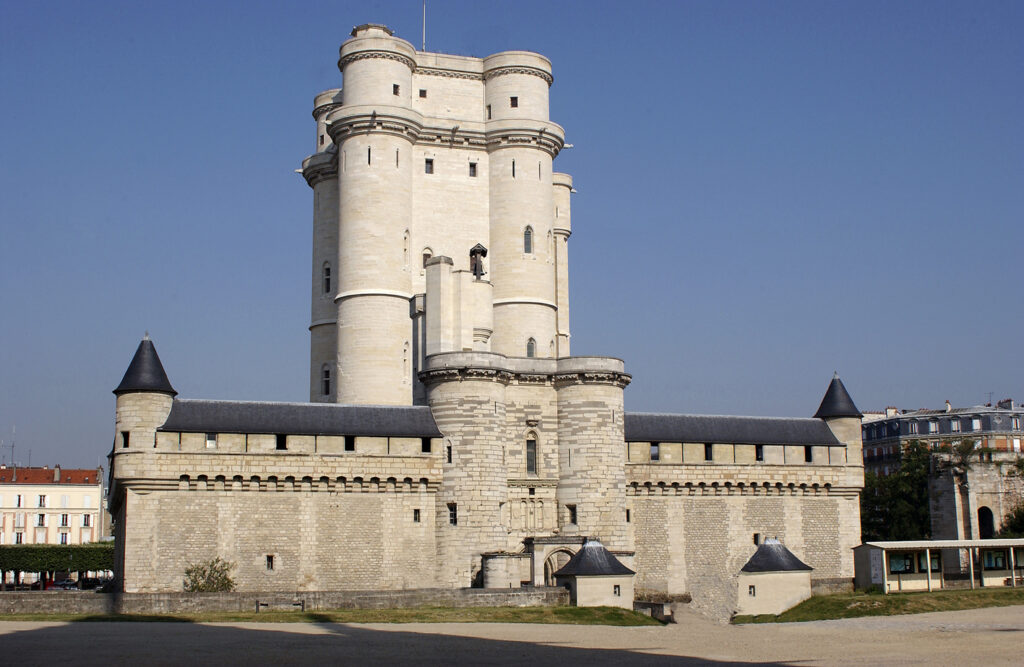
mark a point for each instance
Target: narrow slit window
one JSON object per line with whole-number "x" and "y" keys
{"x": 488, "y": 112}
{"x": 448, "y": 453}
{"x": 571, "y": 510}
{"x": 531, "y": 456}
{"x": 531, "y": 348}
{"x": 396, "y": 157}
{"x": 513, "y": 168}
{"x": 528, "y": 240}
{"x": 759, "y": 452}
{"x": 321, "y": 140}
{"x": 808, "y": 454}
{"x": 628, "y": 517}
{"x": 368, "y": 154}
{"x": 415, "y": 516}
{"x": 270, "y": 562}
{"x": 709, "y": 451}
{"x": 428, "y": 166}
{"x": 472, "y": 169}
{"x": 327, "y": 279}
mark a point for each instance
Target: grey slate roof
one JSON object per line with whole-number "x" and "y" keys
{"x": 773, "y": 556}
{"x": 202, "y": 416}
{"x": 593, "y": 560}
{"x": 837, "y": 402}
{"x": 653, "y": 427}
{"x": 145, "y": 373}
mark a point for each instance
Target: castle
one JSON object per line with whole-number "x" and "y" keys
{"x": 450, "y": 439}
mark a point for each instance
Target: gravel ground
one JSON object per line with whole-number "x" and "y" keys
{"x": 978, "y": 636}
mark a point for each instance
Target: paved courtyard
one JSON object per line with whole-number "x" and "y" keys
{"x": 981, "y": 636}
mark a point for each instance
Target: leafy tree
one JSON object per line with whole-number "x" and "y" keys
{"x": 212, "y": 576}
{"x": 963, "y": 453}
{"x": 1013, "y": 524}
{"x": 895, "y": 506}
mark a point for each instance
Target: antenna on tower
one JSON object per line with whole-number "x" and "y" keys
{"x": 424, "y": 44}
{"x": 990, "y": 397}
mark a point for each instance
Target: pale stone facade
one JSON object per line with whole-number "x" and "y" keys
{"x": 51, "y": 505}
{"x": 440, "y": 287}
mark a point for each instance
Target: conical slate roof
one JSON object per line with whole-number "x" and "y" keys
{"x": 145, "y": 373}
{"x": 593, "y": 560}
{"x": 837, "y": 402}
{"x": 773, "y": 556}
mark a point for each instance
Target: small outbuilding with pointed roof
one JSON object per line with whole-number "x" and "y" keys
{"x": 772, "y": 581}
{"x": 596, "y": 578}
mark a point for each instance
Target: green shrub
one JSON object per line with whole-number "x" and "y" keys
{"x": 212, "y": 576}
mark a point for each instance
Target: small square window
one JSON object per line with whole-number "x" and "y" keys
{"x": 415, "y": 516}
{"x": 270, "y": 562}
{"x": 513, "y": 102}
{"x": 211, "y": 440}
{"x": 395, "y": 89}
{"x": 423, "y": 92}
{"x": 533, "y": 491}
{"x": 472, "y": 169}
{"x": 428, "y": 166}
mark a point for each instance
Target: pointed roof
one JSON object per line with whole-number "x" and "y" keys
{"x": 837, "y": 402}
{"x": 593, "y": 560}
{"x": 145, "y": 373}
{"x": 773, "y": 556}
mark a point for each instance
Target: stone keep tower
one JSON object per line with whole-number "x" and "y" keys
{"x": 422, "y": 156}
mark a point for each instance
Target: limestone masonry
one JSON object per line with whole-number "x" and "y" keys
{"x": 451, "y": 440}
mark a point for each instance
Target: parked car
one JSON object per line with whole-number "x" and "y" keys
{"x": 89, "y": 583}
{"x": 66, "y": 585}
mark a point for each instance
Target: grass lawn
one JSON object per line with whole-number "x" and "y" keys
{"x": 851, "y": 605}
{"x": 560, "y": 615}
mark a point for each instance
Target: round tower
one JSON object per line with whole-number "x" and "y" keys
{"x": 466, "y": 394}
{"x": 521, "y": 144}
{"x": 144, "y": 399}
{"x": 374, "y": 131}
{"x": 563, "y": 229}
{"x": 321, "y": 173}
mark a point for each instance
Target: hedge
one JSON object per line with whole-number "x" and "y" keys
{"x": 57, "y": 557}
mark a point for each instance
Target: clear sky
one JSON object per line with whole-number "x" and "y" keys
{"x": 768, "y": 192}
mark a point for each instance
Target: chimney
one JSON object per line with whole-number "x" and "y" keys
{"x": 949, "y": 408}
{"x": 891, "y": 411}
{"x": 1005, "y": 404}
{"x": 56, "y": 474}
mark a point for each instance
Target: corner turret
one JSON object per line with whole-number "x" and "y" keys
{"x": 843, "y": 418}
{"x": 837, "y": 402}
{"x": 144, "y": 399}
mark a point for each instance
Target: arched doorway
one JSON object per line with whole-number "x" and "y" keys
{"x": 553, "y": 563}
{"x": 986, "y": 523}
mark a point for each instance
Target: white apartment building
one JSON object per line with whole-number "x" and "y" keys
{"x": 50, "y": 505}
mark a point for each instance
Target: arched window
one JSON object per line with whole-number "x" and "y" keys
{"x": 327, "y": 278}
{"x": 325, "y": 380}
{"x": 986, "y": 523}
{"x": 531, "y": 453}
{"x": 531, "y": 348}
{"x": 427, "y": 254}
{"x": 528, "y": 240}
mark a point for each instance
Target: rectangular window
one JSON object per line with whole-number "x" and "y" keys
{"x": 901, "y": 563}
{"x": 270, "y": 562}
{"x": 1016, "y": 423}
{"x": 757, "y": 539}
{"x": 369, "y": 154}
{"x": 423, "y": 92}
{"x": 64, "y": 500}
{"x": 709, "y": 451}
{"x": 63, "y": 538}
{"x": 975, "y": 424}
{"x": 759, "y": 452}
{"x": 425, "y": 445}
{"x": 18, "y": 500}
{"x": 933, "y": 427}
{"x": 453, "y": 514}
{"x": 19, "y": 538}
{"x": 572, "y": 513}
{"x": 428, "y": 166}
{"x": 921, "y": 562}
{"x": 752, "y": 591}
{"x": 995, "y": 560}
{"x": 395, "y": 89}
{"x": 87, "y": 501}
{"x": 488, "y": 112}
{"x": 282, "y": 441}
{"x": 350, "y": 443}
{"x": 321, "y": 140}
{"x": 913, "y": 428}
{"x": 627, "y": 516}
{"x": 41, "y": 502}
{"x": 448, "y": 453}
{"x": 531, "y": 457}
{"x": 954, "y": 425}
{"x": 808, "y": 454}
{"x": 125, "y": 436}
{"x": 40, "y": 519}
{"x": 472, "y": 169}
{"x": 64, "y": 520}
{"x": 655, "y": 451}
{"x": 617, "y": 590}
{"x": 1016, "y": 445}
{"x": 415, "y": 516}
{"x": 513, "y": 102}
{"x": 211, "y": 440}
{"x": 533, "y": 491}
{"x": 86, "y": 520}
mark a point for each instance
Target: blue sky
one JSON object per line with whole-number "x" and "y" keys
{"x": 768, "y": 192}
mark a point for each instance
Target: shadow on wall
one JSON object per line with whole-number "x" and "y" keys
{"x": 299, "y": 643}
